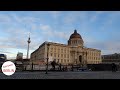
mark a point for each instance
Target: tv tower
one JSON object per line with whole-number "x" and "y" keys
{"x": 28, "y": 46}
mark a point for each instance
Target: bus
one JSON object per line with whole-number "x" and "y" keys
{"x": 3, "y": 58}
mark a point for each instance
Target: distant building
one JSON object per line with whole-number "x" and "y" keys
{"x": 73, "y": 53}
{"x": 19, "y": 56}
{"x": 111, "y": 58}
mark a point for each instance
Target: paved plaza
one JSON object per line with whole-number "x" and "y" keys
{"x": 63, "y": 75}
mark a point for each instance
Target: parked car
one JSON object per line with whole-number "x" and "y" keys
{"x": 84, "y": 69}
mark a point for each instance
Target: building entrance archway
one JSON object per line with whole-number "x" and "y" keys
{"x": 80, "y": 58}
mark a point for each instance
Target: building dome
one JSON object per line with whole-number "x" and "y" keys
{"x": 75, "y": 39}
{"x": 75, "y": 35}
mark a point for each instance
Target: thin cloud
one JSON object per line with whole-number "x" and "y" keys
{"x": 6, "y": 52}
{"x": 96, "y": 15}
{"x": 61, "y": 35}
{"x": 5, "y": 18}
{"x": 107, "y": 47}
{"x": 94, "y": 18}
{"x": 50, "y": 32}
{"x": 21, "y": 19}
{"x": 16, "y": 39}
{"x": 72, "y": 17}
{"x": 55, "y": 14}
{"x": 110, "y": 20}
{"x": 45, "y": 27}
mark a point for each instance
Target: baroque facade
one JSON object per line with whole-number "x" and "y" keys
{"x": 73, "y": 53}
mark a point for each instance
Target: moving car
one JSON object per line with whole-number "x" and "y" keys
{"x": 84, "y": 69}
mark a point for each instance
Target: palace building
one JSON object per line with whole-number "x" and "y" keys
{"x": 72, "y": 53}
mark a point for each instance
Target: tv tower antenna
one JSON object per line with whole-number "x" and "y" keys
{"x": 29, "y": 41}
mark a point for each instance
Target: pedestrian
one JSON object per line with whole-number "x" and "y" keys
{"x": 114, "y": 67}
{"x": 119, "y": 66}
{"x": 72, "y": 68}
{"x": 60, "y": 66}
{"x": 63, "y": 69}
{"x": 66, "y": 69}
{"x": 53, "y": 65}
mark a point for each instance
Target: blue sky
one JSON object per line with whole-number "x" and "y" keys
{"x": 99, "y": 29}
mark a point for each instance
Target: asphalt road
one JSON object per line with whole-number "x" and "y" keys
{"x": 63, "y": 75}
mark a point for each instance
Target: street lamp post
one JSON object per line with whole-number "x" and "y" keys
{"x": 86, "y": 58}
{"x": 32, "y": 65}
{"x": 47, "y": 58}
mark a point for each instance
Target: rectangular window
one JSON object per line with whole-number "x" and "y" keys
{"x": 61, "y": 50}
{"x": 68, "y": 56}
{"x": 54, "y": 49}
{"x": 61, "y": 55}
{"x": 64, "y": 55}
{"x": 65, "y": 50}
{"x": 68, "y": 51}
{"x": 68, "y": 61}
{"x": 65, "y": 60}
